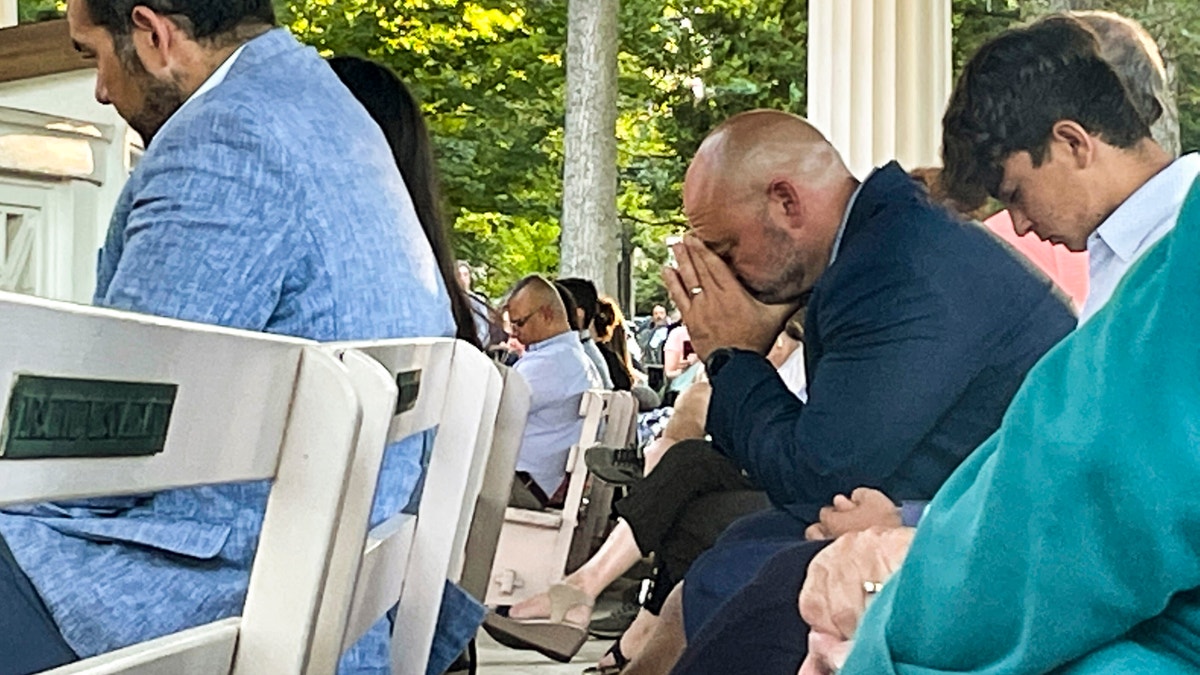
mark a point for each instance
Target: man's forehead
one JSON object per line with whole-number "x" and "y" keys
{"x": 1011, "y": 169}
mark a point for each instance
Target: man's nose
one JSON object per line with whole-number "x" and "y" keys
{"x": 102, "y": 93}
{"x": 1021, "y": 224}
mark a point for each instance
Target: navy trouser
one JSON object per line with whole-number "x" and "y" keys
{"x": 732, "y": 563}
{"x": 29, "y": 639}
{"x": 757, "y": 631}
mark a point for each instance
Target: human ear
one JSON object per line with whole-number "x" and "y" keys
{"x": 783, "y": 194}
{"x": 153, "y": 38}
{"x": 1076, "y": 141}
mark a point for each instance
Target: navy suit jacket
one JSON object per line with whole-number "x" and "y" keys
{"x": 917, "y": 337}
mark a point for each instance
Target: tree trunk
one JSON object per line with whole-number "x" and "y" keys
{"x": 591, "y": 246}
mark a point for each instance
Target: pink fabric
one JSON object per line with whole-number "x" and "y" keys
{"x": 1067, "y": 269}
{"x": 675, "y": 340}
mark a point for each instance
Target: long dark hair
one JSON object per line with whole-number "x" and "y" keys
{"x": 610, "y": 331}
{"x": 399, "y": 115}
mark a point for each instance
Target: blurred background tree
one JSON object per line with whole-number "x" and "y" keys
{"x": 490, "y": 74}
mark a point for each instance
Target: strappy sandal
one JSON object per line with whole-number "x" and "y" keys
{"x": 555, "y": 637}
{"x": 619, "y": 662}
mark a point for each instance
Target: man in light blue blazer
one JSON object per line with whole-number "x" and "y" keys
{"x": 267, "y": 200}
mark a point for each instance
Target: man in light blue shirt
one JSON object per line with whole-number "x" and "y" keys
{"x": 558, "y": 372}
{"x": 267, "y": 200}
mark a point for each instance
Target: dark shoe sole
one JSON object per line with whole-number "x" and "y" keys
{"x": 559, "y": 641}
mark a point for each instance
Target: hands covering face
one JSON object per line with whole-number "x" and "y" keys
{"x": 716, "y": 308}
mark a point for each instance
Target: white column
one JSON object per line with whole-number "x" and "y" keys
{"x": 879, "y": 78}
{"x": 8, "y": 13}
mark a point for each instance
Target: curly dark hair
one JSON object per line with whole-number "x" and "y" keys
{"x": 1016, "y": 88}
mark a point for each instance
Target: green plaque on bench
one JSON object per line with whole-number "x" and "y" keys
{"x": 64, "y": 417}
{"x": 409, "y": 383}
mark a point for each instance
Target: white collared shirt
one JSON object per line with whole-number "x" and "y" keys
{"x": 1137, "y": 224}
{"x": 217, "y": 77}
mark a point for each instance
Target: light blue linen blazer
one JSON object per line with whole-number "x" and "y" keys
{"x": 270, "y": 203}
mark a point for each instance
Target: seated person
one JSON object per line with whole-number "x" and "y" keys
{"x": 558, "y": 372}
{"x": 488, "y": 329}
{"x": 587, "y": 300}
{"x": 912, "y": 349}
{"x": 681, "y": 364}
{"x": 608, "y": 327}
{"x": 614, "y": 342}
{"x": 1143, "y": 182}
{"x": 235, "y": 216}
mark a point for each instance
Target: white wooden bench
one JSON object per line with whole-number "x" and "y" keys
{"x": 234, "y": 406}
{"x": 534, "y": 546}
{"x": 406, "y": 560}
{"x": 480, "y": 550}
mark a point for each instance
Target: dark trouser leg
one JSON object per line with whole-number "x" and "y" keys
{"x": 697, "y": 529}
{"x": 759, "y": 630}
{"x": 733, "y": 562}
{"x": 689, "y": 470}
{"x": 29, "y": 639}
{"x": 682, "y": 506}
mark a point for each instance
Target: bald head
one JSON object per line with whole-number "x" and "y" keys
{"x": 1138, "y": 63}
{"x": 535, "y": 311}
{"x": 766, "y": 191}
{"x": 749, "y": 150}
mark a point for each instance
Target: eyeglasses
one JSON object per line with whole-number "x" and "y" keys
{"x": 520, "y": 323}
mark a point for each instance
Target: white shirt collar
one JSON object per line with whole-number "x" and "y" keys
{"x": 1126, "y": 232}
{"x": 216, "y": 78}
{"x": 1133, "y": 228}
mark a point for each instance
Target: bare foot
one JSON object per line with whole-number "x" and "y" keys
{"x": 538, "y": 607}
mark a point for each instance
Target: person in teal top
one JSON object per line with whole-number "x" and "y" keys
{"x": 1070, "y": 541}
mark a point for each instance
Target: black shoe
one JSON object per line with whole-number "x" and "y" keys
{"x": 618, "y": 466}
{"x": 612, "y": 626}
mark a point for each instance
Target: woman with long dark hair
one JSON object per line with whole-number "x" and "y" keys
{"x": 395, "y": 110}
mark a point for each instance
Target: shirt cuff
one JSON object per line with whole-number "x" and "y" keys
{"x": 911, "y": 512}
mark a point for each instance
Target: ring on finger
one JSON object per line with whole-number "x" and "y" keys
{"x": 696, "y": 290}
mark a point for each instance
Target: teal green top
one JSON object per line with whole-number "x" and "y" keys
{"x": 1069, "y": 542}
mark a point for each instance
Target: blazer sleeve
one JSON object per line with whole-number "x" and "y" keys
{"x": 207, "y": 237}
{"x": 892, "y": 365}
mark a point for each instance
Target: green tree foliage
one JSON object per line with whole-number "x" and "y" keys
{"x": 491, "y": 78}
{"x": 490, "y": 75}
{"x": 30, "y": 11}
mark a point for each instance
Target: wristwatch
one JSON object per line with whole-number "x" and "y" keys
{"x": 716, "y": 360}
